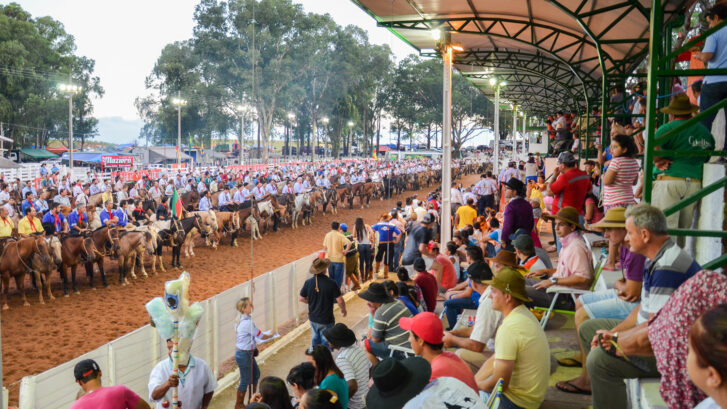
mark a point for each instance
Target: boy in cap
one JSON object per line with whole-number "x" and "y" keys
{"x": 425, "y": 336}
{"x": 88, "y": 376}
{"x": 522, "y": 355}
{"x": 525, "y": 252}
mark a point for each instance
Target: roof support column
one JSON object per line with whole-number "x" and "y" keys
{"x": 655, "y": 29}
{"x": 496, "y": 123}
{"x": 446, "y": 220}
{"x": 514, "y": 131}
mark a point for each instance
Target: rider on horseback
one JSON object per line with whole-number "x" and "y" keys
{"x": 77, "y": 220}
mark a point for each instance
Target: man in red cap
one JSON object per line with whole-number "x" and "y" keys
{"x": 425, "y": 335}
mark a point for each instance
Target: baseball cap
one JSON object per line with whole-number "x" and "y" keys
{"x": 425, "y": 325}
{"x": 566, "y": 157}
{"x": 479, "y": 272}
{"x": 524, "y": 242}
{"x": 428, "y": 218}
{"x": 85, "y": 368}
{"x": 344, "y": 227}
{"x": 432, "y": 245}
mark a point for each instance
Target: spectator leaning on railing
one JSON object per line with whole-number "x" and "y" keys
{"x": 714, "y": 54}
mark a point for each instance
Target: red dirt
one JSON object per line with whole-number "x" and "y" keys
{"x": 39, "y": 337}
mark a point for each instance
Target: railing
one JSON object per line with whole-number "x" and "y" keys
{"x": 129, "y": 360}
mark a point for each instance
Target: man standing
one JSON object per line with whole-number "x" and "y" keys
{"x": 569, "y": 188}
{"x": 416, "y": 243}
{"x": 518, "y": 211}
{"x": 195, "y": 382}
{"x": 336, "y": 245}
{"x": 88, "y": 376}
{"x": 522, "y": 354}
{"x": 389, "y": 235}
{"x": 681, "y": 176}
{"x": 465, "y": 215}
{"x": 352, "y": 362}
{"x": 320, "y": 292}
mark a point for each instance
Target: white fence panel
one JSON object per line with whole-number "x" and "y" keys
{"x": 129, "y": 360}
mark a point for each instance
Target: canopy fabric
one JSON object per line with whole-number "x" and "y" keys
{"x": 38, "y": 153}
{"x": 87, "y": 157}
{"x": 581, "y": 38}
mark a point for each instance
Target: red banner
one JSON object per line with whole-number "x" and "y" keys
{"x": 117, "y": 161}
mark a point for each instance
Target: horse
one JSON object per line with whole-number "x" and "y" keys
{"x": 301, "y": 206}
{"x": 191, "y": 199}
{"x": 264, "y": 210}
{"x": 227, "y": 222}
{"x": 170, "y": 234}
{"x": 74, "y": 250}
{"x": 15, "y": 260}
{"x": 101, "y": 237}
{"x": 129, "y": 244}
{"x": 41, "y": 269}
{"x": 208, "y": 219}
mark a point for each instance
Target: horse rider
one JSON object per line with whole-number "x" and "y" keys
{"x": 298, "y": 187}
{"x": 77, "y": 220}
{"x": 287, "y": 188}
{"x": 28, "y": 188}
{"x": 94, "y": 188}
{"x": 242, "y": 195}
{"x": 6, "y": 227}
{"x": 28, "y": 203}
{"x": 154, "y": 191}
{"x": 205, "y": 203}
{"x": 258, "y": 191}
{"x": 107, "y": 215}
{"x": 270, "y": 188}
{"x": 30, "y": 224}
{"x": 121, "y": 215}
{"x": 138, "y": 214}
{"x": 162, "y": 210}
{"x": 224, "y": 200}
{"x": 62, "y": 198}
{"x": 54, "y": 221}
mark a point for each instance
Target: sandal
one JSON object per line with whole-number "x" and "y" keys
{"x": 570, "y": 362}
{"x": 567, "y": 387}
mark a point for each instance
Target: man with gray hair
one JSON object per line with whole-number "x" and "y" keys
{"x": 667, "y": 267}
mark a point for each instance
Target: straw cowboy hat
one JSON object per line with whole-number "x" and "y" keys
{"x": 567, "y": 214}
{"x": 680, "y": 105}
{"x": 614, "y": 218}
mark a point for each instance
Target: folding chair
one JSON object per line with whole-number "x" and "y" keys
{"x": 406, "y": 351}
{"x": 573, "y": 292}
{"x": 493, "y": 402}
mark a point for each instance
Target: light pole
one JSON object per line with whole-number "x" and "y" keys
{"x": 179, "y": 103}
{"x": 291, "y": 118}
{"x": 70, "y": 89}
{"x": 497, "y": 84}
{"x": 242, "y": 110}
{"x": 525, "y": 120}
{"x": 350, "y": 137}
{"x": 325, "y": 121}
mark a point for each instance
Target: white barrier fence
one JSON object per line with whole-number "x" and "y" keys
{"x": 129, "y": 360}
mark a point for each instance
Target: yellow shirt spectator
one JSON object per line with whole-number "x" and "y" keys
{"x": 25, "y": 227}
{"x": 107, "y": 196}
{"x": 6, "y": 227}
{"x": 467, "y": 215}
{"x": 335, "y": 242}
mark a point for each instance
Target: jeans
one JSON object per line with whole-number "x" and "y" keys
{"x": 244, "y": 360}
{"x": 364, "y": 258}
{"x": 335, "y": 271}
{"x": 398, "y": 249}
{"x": 505, "y": 403}
{"x": 606, "y": 304}
{"x": 455, "y": 306}
{"x": 608, "y": 372}
{"x": 317, "y": 333}
{"x": 712, "y": 94}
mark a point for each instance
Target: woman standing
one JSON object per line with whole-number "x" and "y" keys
{"x": 364, "y": 235}
{"x": 247, "y": 334}
{"x": 328, "y": 376}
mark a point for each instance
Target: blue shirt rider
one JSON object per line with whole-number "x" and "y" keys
{"x": 78, "y": 215}
{"x": 55, "y": 218}
{"x": 107, "y": 215}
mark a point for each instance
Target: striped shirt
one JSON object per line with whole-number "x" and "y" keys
{"x": 354, "y": 365}
{"x": 671, "y": 267}
{"x": 386, "y": 323}
{"x": 622, "y": 189}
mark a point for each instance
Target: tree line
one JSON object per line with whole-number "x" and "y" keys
{"x": 36, "y": 56}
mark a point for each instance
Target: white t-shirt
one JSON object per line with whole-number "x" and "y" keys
{"x": 353, "y": 363}
{"x": 445, "y": 393}
{"x": 193, "y": 385}
{"x": 708, "y": 403}
{"x": 487, "y": 320}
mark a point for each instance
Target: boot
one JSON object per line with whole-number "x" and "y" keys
{"x": 356, "y": 283}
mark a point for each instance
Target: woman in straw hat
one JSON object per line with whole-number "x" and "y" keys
{"x": 575, "y": 268}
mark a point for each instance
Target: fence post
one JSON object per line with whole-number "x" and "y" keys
{"x": 215, "y": 337}
{"x": 294, "y": 295}
{"x": 112, "y": 365}
{"x": 27, "y": 393}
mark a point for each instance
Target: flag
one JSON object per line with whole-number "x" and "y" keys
{"x": 374, "y": 154}
{"x": 176, "y": 205}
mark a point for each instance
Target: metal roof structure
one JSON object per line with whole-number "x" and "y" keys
{"x": 554, "y": 53}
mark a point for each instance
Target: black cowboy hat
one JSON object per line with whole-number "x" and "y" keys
{"x": 376, "y": 293}
{"x": 397, "y": 382}
{"x": 516, "y": 185}
{"x": 340, "y": 335}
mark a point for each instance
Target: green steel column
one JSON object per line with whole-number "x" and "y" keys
{"x": 655, "y": 28}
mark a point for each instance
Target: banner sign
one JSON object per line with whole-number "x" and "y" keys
{"x": 117, "y": 161}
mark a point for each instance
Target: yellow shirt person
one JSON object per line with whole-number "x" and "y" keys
{"x": 29, "y": 225}
{"x": 6, "y": 227}
{"x": 466, "y": 215}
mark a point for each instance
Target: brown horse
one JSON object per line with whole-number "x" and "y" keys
{"x": 101, "y": 237}
{"x": 74, "y": 250}
{"x": 227, "y": 223}
{"x": 15, "y": 262}
{"x": 130, "y": 243}
{"x": 208, "y": 221}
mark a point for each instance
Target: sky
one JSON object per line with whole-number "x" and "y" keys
{"x": 126, "y": 38}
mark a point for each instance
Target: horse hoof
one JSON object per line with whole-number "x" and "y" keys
{"x": 146, "y": 275}
{"x": 76, "y": 292}
{"x": 93, "y": 288}
{"x": 40, "y": 302}
{"x": 26, "y": 304}
{"x": 5, "y": 307}
{"x": 51, "y": 298}
{"x": 66, "y": 295}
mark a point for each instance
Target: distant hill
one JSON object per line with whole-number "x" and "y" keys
{"x": 118, "y": 130}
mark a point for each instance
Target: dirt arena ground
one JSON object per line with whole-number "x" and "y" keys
{"x": 39, "y": 337}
